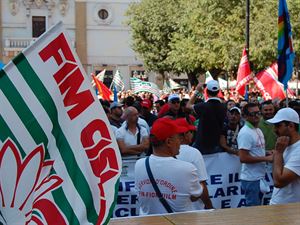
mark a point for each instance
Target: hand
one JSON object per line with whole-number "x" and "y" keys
{"x": 199, "y": 87}
{"x": 269, "y": 158}
{"x": 281, "y": 143}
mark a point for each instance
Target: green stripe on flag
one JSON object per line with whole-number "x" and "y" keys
{"x": 65, "y": 150}
{"x": 18, "y": 103}
{"x": 65, "y": 207}
{"x": 5, "y": 133}
{"x": 112, "y": 207}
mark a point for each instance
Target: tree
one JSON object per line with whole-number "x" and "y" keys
{"x": 193, "y": 36}
{"x": 153, "y": 23}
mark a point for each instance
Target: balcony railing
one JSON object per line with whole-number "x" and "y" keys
{"x": 18, "y": 44}
{"x": 13, "y": 44}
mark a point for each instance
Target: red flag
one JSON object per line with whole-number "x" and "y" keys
{"x": 103, "y": 91}
{"x": 266, "y": 81}
{"x": 244, "y": 74}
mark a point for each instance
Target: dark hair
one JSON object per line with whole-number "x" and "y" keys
{"x": 129, "y": 101}
{"x": 247, "y": 106}
{"x": 104, "y": 102}
{"x": 160, "y": 102}
{"x": 212, "y": 93}
{"x": 137, "y": 105}
{"x": 156, "y": 143}
{"x": 268, "y": 102}
{"x": 288, "y": 122}
{"x": 229, "y": 100}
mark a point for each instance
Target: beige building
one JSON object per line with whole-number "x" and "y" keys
{"x": 96, "y": 27}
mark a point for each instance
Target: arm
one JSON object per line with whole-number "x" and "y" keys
{"x": 245, "y": 157}
{"x": 133, "y": 149}
{"x": 192, "y": 100}
{"x": 205, "y": 196}
{"x": 226, "y": 148}
{"x": 281, "y": 175}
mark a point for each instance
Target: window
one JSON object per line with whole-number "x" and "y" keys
{"x": 103, "y": 14}
{"x": 38, "y": 25}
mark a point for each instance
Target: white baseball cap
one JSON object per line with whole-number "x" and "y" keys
{"x": 235, "y": 108}
{"x": 285, "y": 114}
{"x": 213, "y": 85}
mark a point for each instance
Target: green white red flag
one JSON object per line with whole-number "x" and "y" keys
{"x": 59, "y": 162}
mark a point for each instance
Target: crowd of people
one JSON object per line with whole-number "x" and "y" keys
{"x": 169, "y": 136}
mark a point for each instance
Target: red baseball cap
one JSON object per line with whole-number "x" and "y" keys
{"x": 146, "y": 103}
{"x": 164, "y": 128}
{"x": 184, "y": 123}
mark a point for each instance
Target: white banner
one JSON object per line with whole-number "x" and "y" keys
{"x": 223, "y": 184}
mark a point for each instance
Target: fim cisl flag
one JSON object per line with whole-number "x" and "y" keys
{"x": 59, "y": 162}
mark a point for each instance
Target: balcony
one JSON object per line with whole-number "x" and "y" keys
{"x": 12, "y": 46}
{"x": 17, "y": 44}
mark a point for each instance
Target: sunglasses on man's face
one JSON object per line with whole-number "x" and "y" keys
{"x": 258, "y": 113}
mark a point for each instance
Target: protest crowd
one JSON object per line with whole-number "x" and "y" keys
{"x": 168, "y": 136}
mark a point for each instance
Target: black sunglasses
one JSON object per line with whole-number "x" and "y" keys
{"x": 258, "y": 113}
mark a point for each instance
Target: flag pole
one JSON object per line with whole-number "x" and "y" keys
{"x": 287, "y": 98}
{"x": 247, "y": 39}
{"x": 297, "y": 75}
{"x": 248, "y": 27}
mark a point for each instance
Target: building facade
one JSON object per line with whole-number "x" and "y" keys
{"x": 96, "y": 27}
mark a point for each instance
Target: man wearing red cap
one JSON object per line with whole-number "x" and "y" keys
{"x": 146, "y": 112}
{"x": 175, "y": 180}
{"x": 192, "y": 155}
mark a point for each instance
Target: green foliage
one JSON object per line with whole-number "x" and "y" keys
{"x": 196, "y": 35}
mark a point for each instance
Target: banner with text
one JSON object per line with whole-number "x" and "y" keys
{"x": 223, "y": 184}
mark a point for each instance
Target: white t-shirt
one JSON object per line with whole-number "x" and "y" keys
{"x": 130, "y": 138}
{"x": 194, "y": 156}
{"x": 252, "y": 139}
{"x": 177, "y": 181}
{"x": 291, "y": 192}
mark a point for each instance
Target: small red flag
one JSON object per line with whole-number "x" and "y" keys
{"x": 243, "y": 74}
{"x": 103, "y": 91}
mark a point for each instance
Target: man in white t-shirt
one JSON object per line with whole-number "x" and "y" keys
{"x": 133, "y": 140}
{"x": 190, "y": 154}
{"x": 286, "y": 162}
{"x": 252, "y": 155}
{"x": 177, "y": 180}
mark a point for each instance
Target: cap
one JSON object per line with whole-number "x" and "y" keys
{"x": 164, "y": 128}
{"x": 146, "y": 103}
{"x": 235, "y": 108}
{"x": 285, "y": 114}
{"x": 115, "y": 105}
{"x": 184, "y": 123}
{"x": 173, "y": 96}
{"x": 213, "y": 85}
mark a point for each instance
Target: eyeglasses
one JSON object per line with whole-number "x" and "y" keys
{"x": 175, "y": 101}
{"x": 258, "y": 113}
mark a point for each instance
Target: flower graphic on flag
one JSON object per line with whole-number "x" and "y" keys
{"x": 23, "y": 192}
